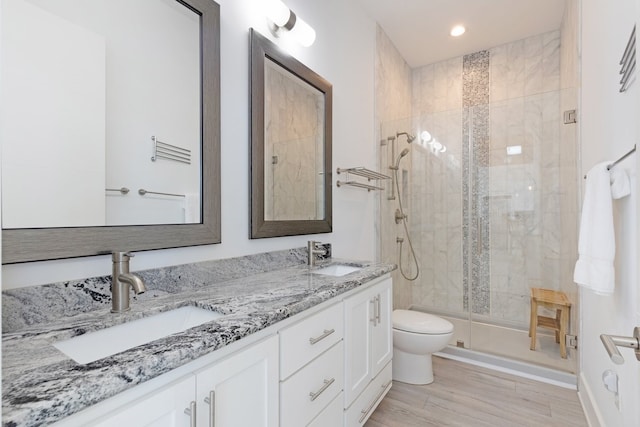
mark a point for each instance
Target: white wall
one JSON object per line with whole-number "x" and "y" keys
{"x": 608, "y": 130}
{"x": 344, "y": 54}
{"x": 55, "y": 78}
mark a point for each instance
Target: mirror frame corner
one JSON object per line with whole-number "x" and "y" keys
{"x": 261, "y": 50}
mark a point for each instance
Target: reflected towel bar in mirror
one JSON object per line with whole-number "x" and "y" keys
{"x": 162, "y": 150}
{"x": 122, "y": 190}
{"x": 142, "y": 192}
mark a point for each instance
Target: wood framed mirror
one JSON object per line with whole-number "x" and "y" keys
{"x": 200, "y": 20}
{"x": 291, "y": 135}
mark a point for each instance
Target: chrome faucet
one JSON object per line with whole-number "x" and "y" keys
{"x": 122, "y": 280}
{"x": 313, "y": 250}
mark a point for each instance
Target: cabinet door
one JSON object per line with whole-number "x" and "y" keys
{"x": 381, "y": 332}
{"x": 164, "y": 408}
{"x": 243, "y": 389}
{"x": 358, "y": 317}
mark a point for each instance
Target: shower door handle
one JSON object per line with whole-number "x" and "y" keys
{"x": 611, "y": 342}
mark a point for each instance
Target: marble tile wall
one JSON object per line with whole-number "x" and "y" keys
{"x": 393, "y": 114}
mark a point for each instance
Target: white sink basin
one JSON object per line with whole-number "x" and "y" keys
{"x": 106, "y": 342}
{"x": 337, "y": 270}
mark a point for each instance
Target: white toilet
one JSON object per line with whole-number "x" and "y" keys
{"x": 416, "y": 336}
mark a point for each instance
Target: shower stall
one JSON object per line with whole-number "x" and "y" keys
{"x": 490, "y": 191}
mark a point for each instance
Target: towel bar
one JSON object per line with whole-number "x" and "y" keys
{"x": 609, "y": 166}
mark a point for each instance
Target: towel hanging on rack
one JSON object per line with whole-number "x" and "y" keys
{"x": 596, "y": 247}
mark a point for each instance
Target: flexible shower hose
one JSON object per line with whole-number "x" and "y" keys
{"x": 406, "y": 230}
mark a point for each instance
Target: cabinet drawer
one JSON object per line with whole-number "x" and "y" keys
{"x": 331, "y": 415}
{"x": 310, "y": 390}
{"x": 366, "y": 403}
{"x": 302, "y": 342}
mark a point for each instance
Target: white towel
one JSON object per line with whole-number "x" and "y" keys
{"x": 597, "y": 248}
{"x": 192, "y": 208}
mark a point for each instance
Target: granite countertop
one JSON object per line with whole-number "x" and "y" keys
{"x": 41, "y": 385}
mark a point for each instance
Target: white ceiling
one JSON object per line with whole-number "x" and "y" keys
{"x": 420, "y": 28}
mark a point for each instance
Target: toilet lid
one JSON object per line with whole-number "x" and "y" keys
{"x": 421, "y": 323}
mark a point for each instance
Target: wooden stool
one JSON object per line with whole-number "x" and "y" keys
{"x": 554, "y": 300}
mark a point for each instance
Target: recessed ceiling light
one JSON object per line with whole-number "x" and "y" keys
{"x": 458, "y": 30}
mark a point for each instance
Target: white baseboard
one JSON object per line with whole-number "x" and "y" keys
{"x": 589, "y": 407}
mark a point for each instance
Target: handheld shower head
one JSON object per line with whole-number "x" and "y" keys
{"x": 410, "y": 137}
{"x": 402, "y": 154}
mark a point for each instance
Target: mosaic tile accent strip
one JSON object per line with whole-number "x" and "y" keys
{"x": 475, "y": 122}
{"x": 475, "y": 79}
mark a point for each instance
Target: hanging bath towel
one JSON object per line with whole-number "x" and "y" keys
{"x": 597, "y": 248}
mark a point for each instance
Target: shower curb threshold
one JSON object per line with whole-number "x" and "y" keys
{"x": 509, "y": 366}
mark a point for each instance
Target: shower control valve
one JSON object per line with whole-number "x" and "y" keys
{"x": 400, "y": 216}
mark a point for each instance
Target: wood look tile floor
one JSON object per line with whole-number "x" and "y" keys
{"x": 465, "y": 395}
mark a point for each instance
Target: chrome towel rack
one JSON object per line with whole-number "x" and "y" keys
{"x": 123, "y": 190}
{"x": 627, "y": 154}
{"x": 630, "y": 152}
{"x": 162, "y": 150}
{"x": 363, "y": 172}
{"x": 142, "y": 192}
{"x": 628, "y": 61}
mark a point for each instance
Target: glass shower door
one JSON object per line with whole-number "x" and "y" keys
{"x": 518, "y": 194}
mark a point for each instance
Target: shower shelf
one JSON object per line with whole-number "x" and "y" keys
{"x": 363, "y": 172}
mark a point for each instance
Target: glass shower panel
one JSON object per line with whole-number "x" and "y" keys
{"x": 436, "y": 212}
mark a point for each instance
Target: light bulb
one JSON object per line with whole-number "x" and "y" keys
{"x": 303, "y": 33}
{"x": 277, "y": 12}
{"x": 457, "y": 31}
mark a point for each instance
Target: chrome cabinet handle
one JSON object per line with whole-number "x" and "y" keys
{"x": 211, "y": 401}
{"x": 364, "y": 412}
{"x": 325, "y": 334}
{"x": 191, "y": 412}
{"x": 373, "y": 319}
{"x": 378, "y": 312}
{"x": 313, "y": 396}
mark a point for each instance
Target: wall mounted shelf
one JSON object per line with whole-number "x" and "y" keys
{"x": 363, "y": 172}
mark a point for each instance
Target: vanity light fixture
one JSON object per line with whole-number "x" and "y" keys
{"x": 282, "y": 21}
{"x": 457, "y": 30}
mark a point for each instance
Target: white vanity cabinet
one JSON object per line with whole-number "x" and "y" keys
{"x": 243, "y": 388}
{"x": 311, "y": 368}
{"x": 368, "y": 347}
{"x": 162, "y": 408}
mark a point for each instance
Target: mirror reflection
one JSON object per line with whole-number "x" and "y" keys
{"x": 139, "y": 69}
{"x": 294, "y": 147}
{"x": 86, "y": 85}
{"x": 290, "y": 144}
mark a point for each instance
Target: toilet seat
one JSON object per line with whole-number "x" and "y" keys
{"x": 420, "y": 323}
